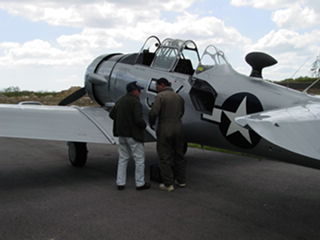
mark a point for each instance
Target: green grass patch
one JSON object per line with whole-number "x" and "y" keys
{"x": 299, "y": 80}
{"x": 215, "y": 149}
{"x": 28, "y": 93}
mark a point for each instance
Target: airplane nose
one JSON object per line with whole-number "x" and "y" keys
{"x": 96, "y": 79}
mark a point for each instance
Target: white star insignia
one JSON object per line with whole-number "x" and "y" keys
{"x": 234, "y": 127}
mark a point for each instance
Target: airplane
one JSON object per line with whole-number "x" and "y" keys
{"x": 223, "y": 108}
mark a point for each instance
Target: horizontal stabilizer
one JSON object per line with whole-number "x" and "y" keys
{"x": 296, "y": 129}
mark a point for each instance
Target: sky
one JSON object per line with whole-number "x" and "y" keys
{"x": 46, "y": 45}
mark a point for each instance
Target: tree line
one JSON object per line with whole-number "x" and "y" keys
{"x": 16, "y": 92}
{"x": 13, "y": 91}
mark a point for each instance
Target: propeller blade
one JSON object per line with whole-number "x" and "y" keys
{"x": 73, "y": 97}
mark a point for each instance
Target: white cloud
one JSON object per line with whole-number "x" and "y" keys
{"x": 122, "y": 26}
{"x": 296, "y": 17}
{"x": 284, "y": 40}
{"x": 189, "y": 26}
{"x": 107, "y": 23}
{"x": 89, "y": 39}
{"x": 266, "y": 4}
{"x": 291, "y": 49}
{"x": 38, "y": 53}
{"x": 93, "y": 13}
{"x": 105, "y": 28}
{"x": 68, "y": 49}
{"x": 276, "y": 4}
{"x": 292, "y": 14}
{"x": 41, "y": 78}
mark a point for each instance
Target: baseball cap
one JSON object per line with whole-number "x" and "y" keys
{"x": 133, "y": 86}
{"x": 163, "y": 81}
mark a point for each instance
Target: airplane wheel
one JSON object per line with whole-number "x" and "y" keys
{"x": 77, "y": 153}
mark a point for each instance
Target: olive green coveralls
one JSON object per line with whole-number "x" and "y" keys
{"x": 168, "y": 108}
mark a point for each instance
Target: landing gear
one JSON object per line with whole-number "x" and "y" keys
{"x": 77, "y": 153}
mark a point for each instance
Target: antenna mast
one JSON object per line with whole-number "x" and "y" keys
{"x": 315, "y": 69}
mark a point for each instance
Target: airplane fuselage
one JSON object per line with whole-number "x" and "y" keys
{"x": 213, "y": 99}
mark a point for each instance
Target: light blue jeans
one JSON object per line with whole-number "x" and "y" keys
{"x": 128, "y": 147}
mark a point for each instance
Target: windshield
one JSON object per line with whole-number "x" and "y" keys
{"x": 171, "y": 50}
{"x": 147, "y": 52}
{"x": 165, "y": 58}
{"x": 151, "y": 44}
{"x": 192, "y": 56}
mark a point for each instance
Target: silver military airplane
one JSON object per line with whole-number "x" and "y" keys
{"x": 224, "y": 108}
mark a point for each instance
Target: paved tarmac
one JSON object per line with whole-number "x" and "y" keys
{"x": 228, "y": 197}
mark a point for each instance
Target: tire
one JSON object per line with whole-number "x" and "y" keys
{"x": 77, "y": 152}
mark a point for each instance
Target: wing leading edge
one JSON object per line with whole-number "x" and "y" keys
{"x": 61, "y": 123}
{"x": 295, "y": 129}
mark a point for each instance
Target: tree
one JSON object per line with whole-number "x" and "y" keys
{"x": 12, "y": 89}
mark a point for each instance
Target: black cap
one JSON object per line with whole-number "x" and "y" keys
{"x": 133, "y": 86}
{"x": 163, "y": 81}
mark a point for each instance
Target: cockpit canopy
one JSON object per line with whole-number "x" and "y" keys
{"x": 211, "y": 57}
{"x": 170, "y": 55}
{"x": 178, "y": 56}
{"x": 174, "y": 53}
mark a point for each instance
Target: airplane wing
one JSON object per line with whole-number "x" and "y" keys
{"x": 296, "y": 129}
{"x": 62, "y": 123}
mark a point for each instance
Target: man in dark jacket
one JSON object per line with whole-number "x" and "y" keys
{"x": 168, "y": 108}
{"x": 129, "y": 126}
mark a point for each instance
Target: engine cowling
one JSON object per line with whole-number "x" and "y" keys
{"x": 97, "y": 77}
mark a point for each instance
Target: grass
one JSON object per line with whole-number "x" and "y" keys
{"x": 222, "y": 150}
{"x": 299, "y": 80}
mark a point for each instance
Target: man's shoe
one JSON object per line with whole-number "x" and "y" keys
{"x": 120, "y": 187}
{"x": 169, "y": 188}
{"x": 143, "y": 187}
{"x": 181, "y": 185}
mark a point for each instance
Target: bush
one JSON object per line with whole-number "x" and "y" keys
{"x": 299, "y": 80}
{"x": 16, "y": 92}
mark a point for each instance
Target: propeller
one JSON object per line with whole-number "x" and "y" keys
{"x": 73, "y": 97}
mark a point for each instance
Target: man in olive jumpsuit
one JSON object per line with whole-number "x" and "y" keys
{"x": 129, "y": 125}
{"x": 168, "y": 108}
